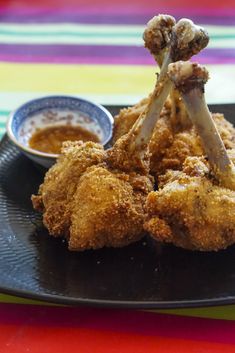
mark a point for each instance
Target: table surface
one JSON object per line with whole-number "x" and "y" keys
{"x": 94, "y": 49}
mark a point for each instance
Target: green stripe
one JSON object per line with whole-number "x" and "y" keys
{"x": 4, "y": 113}
{"x": 94, "y": 34}
{"x": 60, "y": 33}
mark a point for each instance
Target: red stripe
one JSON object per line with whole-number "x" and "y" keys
{"x": 117, "y": 9}
{"x": 59, "y": 329}
{"x": 56, "y": 340}
{"x": 123, "y": 321}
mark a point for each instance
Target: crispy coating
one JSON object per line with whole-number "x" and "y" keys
{"x": 107, "y": 209}
{"x": 172, "y": 141}
{"x": 189, "y": 209}
{"x": 90, "y": 204}
{"x": 60, "y": 184}
{"x": 127, "y": 159}
{"x": 126, "y": 118}
{"x": 226, "y": 130}
{"x": 169, "y": 149}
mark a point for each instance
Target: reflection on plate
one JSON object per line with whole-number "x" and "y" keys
{"x": 142, "y": 275}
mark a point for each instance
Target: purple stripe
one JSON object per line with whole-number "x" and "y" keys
{"x": 102, "y": 61}
{"x": 106, "y": 17}
{"x": 103, "y": 54}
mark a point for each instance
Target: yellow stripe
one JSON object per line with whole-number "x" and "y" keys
{"x": 83, "y": 79}
{"x": 226, "y": 312}
{"x": 101, "y": 81}
{"x": 5, "y": 298}
{"x": 218, "y": 312}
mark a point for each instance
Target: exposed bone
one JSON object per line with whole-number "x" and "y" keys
{"x": 168, "y": 42}
{"x": 188, "y": 38}
{"x": 157, "y": 36}
{"x": 131, "y": 151}
{"x": 190, "y": 79}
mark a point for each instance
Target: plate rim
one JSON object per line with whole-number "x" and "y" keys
{"x": 107, "y": 303}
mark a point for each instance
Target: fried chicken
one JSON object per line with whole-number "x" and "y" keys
{"x": 169, "y": 149}
{"x": 171, "y": 144}
{"x": 81, "y": 194}
{"x": 113, "y": 188}
{"x": 108, "y": 208}
{"x": 113, "y": 184}
{"x": 188, "y": 210}
{"x": 174, "y": 137}
{"x": 126, "y": 118}
{"x": 60, "y": 183}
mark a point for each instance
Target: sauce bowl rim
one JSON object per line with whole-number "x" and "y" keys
{"x": 37, "y": 153}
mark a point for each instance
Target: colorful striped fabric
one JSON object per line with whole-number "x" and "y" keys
{"x": 94, "y": 49}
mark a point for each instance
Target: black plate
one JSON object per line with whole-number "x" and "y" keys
{"x": 142, "y": 275}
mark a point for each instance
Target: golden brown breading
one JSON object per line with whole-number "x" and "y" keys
{"x": 226, "y": 130}
{"x": 88, "y": 203}
{"x": 171, "y": 143}
{"x": 107, "y": 209}
{"x": 169, "y": 150}
{"x": 126, "y": 159}
{"x": 189, "y": 209}
{"x": 61, "y": 181}
{"x": 127, "y": 117}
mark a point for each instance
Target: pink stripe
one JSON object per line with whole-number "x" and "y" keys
{"x": 102, "y": 61}
{"x": 118, "y": 9}
{"x": 139, "y": 322}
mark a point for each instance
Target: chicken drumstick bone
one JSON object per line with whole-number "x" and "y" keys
{"x": 187, "y": 40}
{"x": 188, "y": 209}
{"x": 190, "y": 78}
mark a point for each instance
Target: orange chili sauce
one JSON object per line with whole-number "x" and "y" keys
{"x": 50, "y": 139}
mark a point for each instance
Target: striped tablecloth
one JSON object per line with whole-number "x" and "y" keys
{"x": 94, "y": 49}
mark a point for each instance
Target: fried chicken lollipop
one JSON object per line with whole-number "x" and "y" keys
{"x": 156, "y": 38}
{"x": 174, "y": 137}
{"x": 126, "y": 164}
{"x": 195, "y": 208}
{"x": 96, "y": 198}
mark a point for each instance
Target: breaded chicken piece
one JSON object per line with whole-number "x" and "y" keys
{"x": 80, "y": 195}
{"x": 189, "y": 209}
{"x": 108, "y": 209}
{"x": 169, "y": 149}
{"x": 172, "y": 143}
{"x": 126, "y": 118}
{"x": 60, "y": 183}
{"x": 195, "y": 208}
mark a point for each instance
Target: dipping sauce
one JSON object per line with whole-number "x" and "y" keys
{"x": 50, "y": 139}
